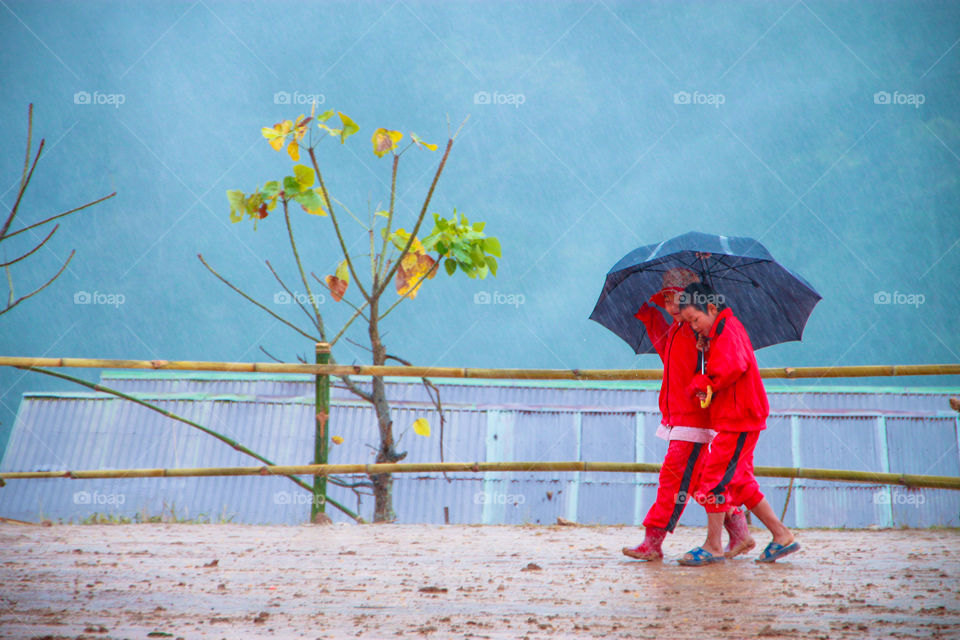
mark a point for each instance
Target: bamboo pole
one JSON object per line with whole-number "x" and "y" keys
{"x": 862, "y": 371}
{"x": 321, "y": 436}
{"x": 835, "y": 475}
{"x": 169, "y": 414}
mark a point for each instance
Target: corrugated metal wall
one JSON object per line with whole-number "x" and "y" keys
{"x": 900, "y": 430}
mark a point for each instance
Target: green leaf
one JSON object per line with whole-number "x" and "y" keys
{"x": 349, "y": 127}
{"x": 271, "y": 189}
{"x": 326, "y": 115}
{"x": 332, "y": 132}
{"x": 382, "y": 214}
{"x": 450, "y": 265}
{"x": 399, "y": 238}
{"x": 462, "y": 254}
{"x": 235, "y": 198}
{"x": 492, "y": 246}
{"x": 305, "y": 175}
{"x": 311, "y": 201}
{"x": 478, "y": 226}
{"x": 491, "y": 264}
{"x": 291, "y": 186}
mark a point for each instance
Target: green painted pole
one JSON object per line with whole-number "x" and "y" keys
{"x": 322, "y": 433}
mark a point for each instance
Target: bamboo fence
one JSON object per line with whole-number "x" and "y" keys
{"x": 863, "y": 371}
{"x": 837, "y": 475}
{"x": 324, "y": 470}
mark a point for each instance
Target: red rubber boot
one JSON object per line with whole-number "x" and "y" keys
{"x": 741, "y": 541}
{"x": 649, "y": 549}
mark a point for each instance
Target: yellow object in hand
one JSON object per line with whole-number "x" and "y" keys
{"x": 705, "y": 402}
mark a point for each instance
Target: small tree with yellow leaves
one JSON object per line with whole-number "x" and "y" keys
{"x": 405, "y": 259}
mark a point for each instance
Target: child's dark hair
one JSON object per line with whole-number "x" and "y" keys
{"x": 698, "y": 296}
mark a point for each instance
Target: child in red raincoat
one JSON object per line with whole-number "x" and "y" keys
{"x": 685, "y": 425}
{"x": 738, "y": 412}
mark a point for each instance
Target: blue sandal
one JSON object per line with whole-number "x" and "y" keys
{"x": 775, "y": 551}
{"x": 700, "y": 557}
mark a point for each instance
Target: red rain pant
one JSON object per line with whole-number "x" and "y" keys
{"x": 679, "y": 476}
{"x": 727, "y": 478}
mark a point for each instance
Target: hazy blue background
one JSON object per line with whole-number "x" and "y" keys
{"x": 599, "y": 158}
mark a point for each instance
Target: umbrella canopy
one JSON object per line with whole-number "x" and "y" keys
{"x": 772, "y": 302}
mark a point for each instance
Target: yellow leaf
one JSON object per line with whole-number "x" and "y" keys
{"x": 343, "y": 271}
{"x": 304, "y": 175}
{"x": 294, "y": 150}
{"x": 385, "y": 140}
{"x": 276, "y": 135}
{"x": 337, "y": 439}
{"x": 415, "y": 267}
{"x": 426, "y": 145}
{"x": 300, "y": 126}
{"x": 348, "y": 128}
{"x": 421, "y": 427}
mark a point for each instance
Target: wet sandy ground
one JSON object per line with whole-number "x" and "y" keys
{"x": 426, "y": 581}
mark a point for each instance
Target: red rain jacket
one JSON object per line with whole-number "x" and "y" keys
{"x": 739, "y": 399}
{"x": 677, "y": 346}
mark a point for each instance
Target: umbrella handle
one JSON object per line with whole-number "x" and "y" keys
{"x": 706, "y": 401}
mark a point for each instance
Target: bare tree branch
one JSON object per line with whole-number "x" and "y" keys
{"x": 59, "y": 215}
{"x": 23, "y": 187}
{"x": 270, "y": 355}
{"x": 284, "y": 321}
{"x": 303, "y": 276}
{"x": 32, "y": 251}
{"x": 336, "y": 225}
{"x": 11, "y": 305}
{"x": 416, "y": 228}
{"x": 292, "y": 296}
{"x": 435, "y": 397}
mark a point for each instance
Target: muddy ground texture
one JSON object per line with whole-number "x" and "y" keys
{"x": 435, "y": 581}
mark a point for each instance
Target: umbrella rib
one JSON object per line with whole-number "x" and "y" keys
{"x": 776, "y": 302}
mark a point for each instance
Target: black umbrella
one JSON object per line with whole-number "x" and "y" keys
{"x": 772, "y": 302}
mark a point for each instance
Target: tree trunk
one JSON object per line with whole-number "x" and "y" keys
{"x": 382, "y": 483}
